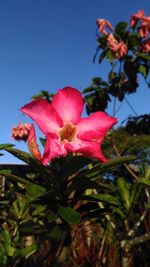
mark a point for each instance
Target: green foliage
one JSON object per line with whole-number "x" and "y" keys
{"x": 104, "y": 207}
{"x": 69, "y": 215}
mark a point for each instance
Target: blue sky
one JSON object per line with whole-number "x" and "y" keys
{"x": 48, "y": 44}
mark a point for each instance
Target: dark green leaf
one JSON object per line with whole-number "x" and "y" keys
{"x": 82, "y": 184}
{"x": 69, "y": 214}
{"x": 34, "y": 164}
{"x": 97, "y": 213}
{"x": 103, "y": 198}
{"x": 74, "y": 164}
{"x": 35, "y": 190}
{"x": 121, "y": 27}
{"x": 100, "y": 168}
{"x": 13, "y": 177}
{"x": 56, "y": 233}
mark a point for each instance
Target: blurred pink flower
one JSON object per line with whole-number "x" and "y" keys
{"x": 136, "y": 17}
{"x": 145, "y": 47}
{"x": 21, "y": 131}
{"x": 32, "y": 144}
{"x": 145, "y": 27}
{"x": 65, "y": 130}
{"x": 102, "y": 24}
{"x": 119, "y": 49}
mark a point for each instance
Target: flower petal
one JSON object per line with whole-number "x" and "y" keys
{"x": 44, "y": 115}
{"x": 32, "y": 144}
{"x": 95, "y": 127}
{"x": 69, "y": 104}
{"x": 86, "y": 148}
{"x": 53, "y": 149}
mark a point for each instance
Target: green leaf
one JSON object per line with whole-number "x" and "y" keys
{"x": 69, "y": 214}
{"x": 34, "y": 164}
{"x": 56, "y": 233}
{"x": 124, "y": 191}
{"x": 35, "y": 190}
{"x": 144, "y": 181}
{"x": 121, "y": 27}
{"x": 3, "y": 256}
{"x": 135, "y": 192}
{"x": 100, "y": 168}
{"x": 104, "y": 198}
{"x": 119, "y": 212}
{"x": 7, "y": 243}
{"x": 27, "y": 251}
{"x": 144, "y": 56}
{"x": 143, "y": 69}
{"x": 110, "y": 56}
{"x": 3, "y": 146}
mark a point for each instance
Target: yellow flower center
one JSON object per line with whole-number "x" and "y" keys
{"x": 68, "y": 132}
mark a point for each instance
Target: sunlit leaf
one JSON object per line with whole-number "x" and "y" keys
{"x": 3, "y": 146}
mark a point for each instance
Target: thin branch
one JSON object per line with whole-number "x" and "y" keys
{"x": 131, "y": 107}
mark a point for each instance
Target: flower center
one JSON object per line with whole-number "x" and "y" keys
{"x": 67, "y": 132}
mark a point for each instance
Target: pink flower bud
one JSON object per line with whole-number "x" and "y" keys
{"x": 21, "y": 131}
{"x": 32, "y": 144}
{"x": 102, "y": 24}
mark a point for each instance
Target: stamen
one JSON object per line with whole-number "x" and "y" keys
{"x": 67, "y": 132}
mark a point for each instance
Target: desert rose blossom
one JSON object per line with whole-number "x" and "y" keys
{"x": 136, "y": 17}
{"x": 32, "y": 144}
{"x": 145, "y": 27}
{"x": 102, "y": 24}
{"x": 65, "y": 130}
{"x": 145, "y": 47}
{"x": 119, "y": 49}
{"x": 21, "y": 131}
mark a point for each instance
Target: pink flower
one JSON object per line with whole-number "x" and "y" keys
{"x": 112, "y": 42}
{"x": 65, "y": 130}
{"x": 136, "y": 17}
{"x": 21, "y": 131}
{"x": 102, "y": 24}
{"x": 119, "y": 49}
{"x": 32, "y": 144}
{"x": 145, "y": 27}
{"x": 145, "y": 47}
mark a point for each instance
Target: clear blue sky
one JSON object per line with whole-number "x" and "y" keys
{"x": 48, "y": 44}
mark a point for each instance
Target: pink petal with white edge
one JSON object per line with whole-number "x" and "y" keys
{"x": 95, "y": 126}
{"x": 53, "y": 149}
{"x": 86, "y": 148}
{"x": 44, "y": 115}
{"x": 69, "y": 104}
